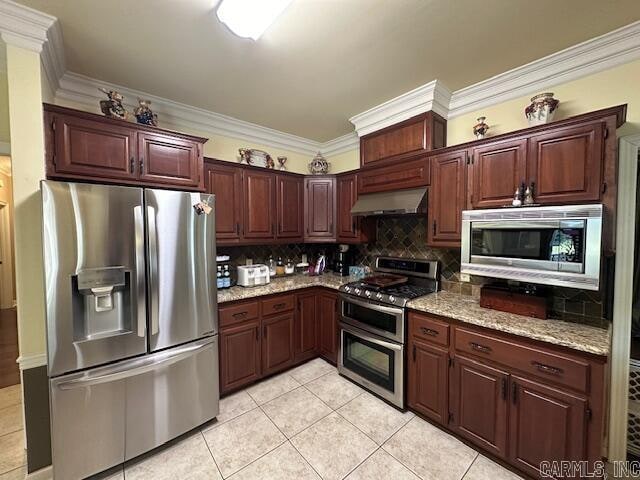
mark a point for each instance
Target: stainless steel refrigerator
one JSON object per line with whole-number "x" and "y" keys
{"x": 131, "y": 320}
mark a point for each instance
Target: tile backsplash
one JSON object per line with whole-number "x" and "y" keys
{"x": 406, "y": 236}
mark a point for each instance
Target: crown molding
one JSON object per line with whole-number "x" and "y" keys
{"x": 23, "y": 26}
{"x": 52, "y": 56}
{"x": 430, "y": 96}
{"x": 600, "y": 53}
{"x": 343, "y": 144}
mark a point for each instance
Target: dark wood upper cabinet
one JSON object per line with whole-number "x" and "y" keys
{"x": 480, "y": 405}
{"x": 226, "y": 183}
{"x": 306, "y": 327}
{"x": 327, "y": 304}
{"x": 277, "y": 343}
{"x": 86, "y": 146}
{"x": 566, "y": 165}
{"x": 320, "y": 209}
{"x": 498, "y": 169}
{"x": 419, "y": 134}
{"x": 428, "y": 380}
{"x": 447, "y": 199}
{"x": 239, "y": 355}
{"x": 545, "y": 424}
{"x": 351, "y": 229}
{"x": 409, "y": 174}
{"x": 259, "y": 205}
{"x": 290, "y": 207}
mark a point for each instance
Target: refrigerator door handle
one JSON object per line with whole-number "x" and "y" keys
{"x": 153, "y": 269}
{"x": 136, "y": 366}
{"x": 141, "y": 315}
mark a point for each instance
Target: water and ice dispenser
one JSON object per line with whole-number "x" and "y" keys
{"x": 102, "y": 302}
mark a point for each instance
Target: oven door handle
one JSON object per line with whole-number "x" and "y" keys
{"x": 375, "y": 340}
{"x": 373, "y": 306}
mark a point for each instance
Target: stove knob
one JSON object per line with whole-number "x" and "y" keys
{"x": 357, "y": 291}
{"x": 347, "y": 289}
{"x": 392, "y": 298}
{"x": 367, "y": 293}
{"x": 378, "y": 296}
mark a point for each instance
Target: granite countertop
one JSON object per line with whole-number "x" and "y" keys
{"x": 467, "y": 309}
{"x": 281, "y": 285}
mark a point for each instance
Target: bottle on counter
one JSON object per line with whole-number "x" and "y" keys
{"x": 272, "y": 267}
{"x": 219, "y": 278}
{"x": 289, "y": 268}
{"x": 280, "y": 267}
{"x": 226, "y": 275}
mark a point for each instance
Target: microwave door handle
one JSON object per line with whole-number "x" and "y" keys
{"x": 141, "y": 314}
{"x": 516, "y": 224}
{"x": 153, "y": 269}
{"x": 136, "y": 367}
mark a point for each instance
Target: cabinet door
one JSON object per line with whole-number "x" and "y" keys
{"x": 239, "y": 356}
{"x": 347, "y": 194}
{"x": 566, "y": 165}
{"x": 320, "y": 209}
{"x": 92, "y": 150}
{"x": 479, "y": 404}
{"x": 290, "y": 207}
{"x": 447, "y": 195}
{"x": 306, "y": 328}
{"x": 545, "y": 424}
{"x": 169, "y": 160}
{"x": 428, "y": 381}
{"x": 498, "y": 169}
{"x": 226, "y": 184}
{"x": 259, "y": 205}
{"x": 410, "y": 174}
{"x": 328, "y": 321}
{"x": 277, "y": 343}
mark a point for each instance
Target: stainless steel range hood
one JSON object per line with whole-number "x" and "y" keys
{"x": 397, "y": 202}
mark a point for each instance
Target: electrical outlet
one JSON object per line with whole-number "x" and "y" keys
{"x": 465, "y": 277}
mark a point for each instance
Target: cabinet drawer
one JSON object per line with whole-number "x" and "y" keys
{"x": 238, "y": 313}
{"x": 570, "y": 372}
{"x": 428, "y": 329}
{"x": 284, "y": 303}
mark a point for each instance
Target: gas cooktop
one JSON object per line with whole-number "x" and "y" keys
{"x": 422, "y": 278}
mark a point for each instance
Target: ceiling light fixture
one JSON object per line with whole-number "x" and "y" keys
{"x": 250, "y": 18}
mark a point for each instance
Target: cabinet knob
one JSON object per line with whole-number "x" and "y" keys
{"x": 132, "y": 165}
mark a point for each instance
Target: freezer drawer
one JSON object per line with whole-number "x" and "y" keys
{"x": 104, "y": 416}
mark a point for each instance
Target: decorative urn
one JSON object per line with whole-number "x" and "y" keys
{"x": 319, "y": 165}
{"x": 542, "y": 109}
{"x": 480, "y": 129}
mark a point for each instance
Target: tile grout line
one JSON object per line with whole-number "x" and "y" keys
{"x": 12, "y": 470}
{"x": 396, "y": 458}
{"x": 305, "y": 460}
{"x": 470, "y": 465}
{"x": 210, "y": 452}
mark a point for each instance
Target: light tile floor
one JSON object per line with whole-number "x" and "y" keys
{"x": 307, "y": 423}
{"x": 13, "y": 458}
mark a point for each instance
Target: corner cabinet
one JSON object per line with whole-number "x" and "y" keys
{"x": 351, "y": 229}
{"x": 320, "y": 209}
{"x": 83, "y": 146}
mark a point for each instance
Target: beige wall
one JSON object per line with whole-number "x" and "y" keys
{"x": 4, "y": 106}
{"x": 27, "y": 154}
{"x": 605, "y": 89}
{"x": 6, "y": 197}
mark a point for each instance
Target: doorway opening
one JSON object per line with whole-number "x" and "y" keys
{"x": 9, "y": 371}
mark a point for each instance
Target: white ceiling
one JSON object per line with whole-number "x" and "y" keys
{"x": 323, "y": 61}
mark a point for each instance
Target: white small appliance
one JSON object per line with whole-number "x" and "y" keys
{"x": 253, "y": 275}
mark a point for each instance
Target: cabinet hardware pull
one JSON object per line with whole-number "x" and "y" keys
{"x": 240, "y": 314}
{"x": 504, "y": 388}
{"x": 533, "y": 189}
{"x": 514, "y": 393}
{"x": 141, "y": 165}
{"x": 131, "y": 165}
{"x": 434, "y": 227}
{"x": 547, "y": 368}
{"x": 429, "y": 331}
{"x": 479, "y": 348}
{"x": 278, "y": 306}
{"x": 238, "y": 228}
{"x": 604, "y": 188}
{"x": 414, "y": 353}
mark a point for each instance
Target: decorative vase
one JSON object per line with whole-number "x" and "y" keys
{"x": 542, "y": 109}
{"x": 319, "y": 165}
{"x": 281, "y": 162}
{"x": 480, "y": 129}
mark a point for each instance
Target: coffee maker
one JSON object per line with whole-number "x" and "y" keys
{"x": 344, "y": 260}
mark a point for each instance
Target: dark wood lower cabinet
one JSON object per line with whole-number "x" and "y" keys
{"x": 277, "y": 343}
{"x": 239, "y": 355}
{"x": 545, "y": 424}
{"x": 306, "y": 331}
{"x": 428, "y": 389}
{"x": 328, "y": 326}
{"x": 479, "y": 404}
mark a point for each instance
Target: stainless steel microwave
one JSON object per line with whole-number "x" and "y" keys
{"x": 546, "y": 245}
